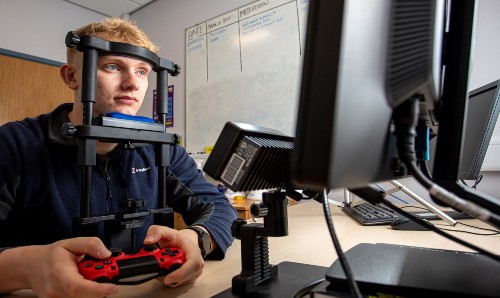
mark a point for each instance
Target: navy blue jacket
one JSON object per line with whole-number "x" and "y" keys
{"x": 40, "y": 185}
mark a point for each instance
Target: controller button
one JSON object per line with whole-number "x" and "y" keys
{"x": 107, "y": 262}
{"x": 173, "y": 254}
{"x": 176, "y": 251}
{"x": 162, "y": 260}
{"x": 99, "y": 267}
{"x": 89, "y": 264}
{"x": 113, "y": 267}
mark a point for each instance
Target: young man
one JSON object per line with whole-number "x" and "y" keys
{"x": 40, "y": 184}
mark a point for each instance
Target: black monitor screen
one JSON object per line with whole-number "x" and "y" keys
{"x": 482, "y": 113}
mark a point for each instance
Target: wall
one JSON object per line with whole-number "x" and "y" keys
{"x": 38, "y": 27}
{"x": 166, "y": 21}
{"x": 244, "y": 66}
{"x": 485, "y": 67}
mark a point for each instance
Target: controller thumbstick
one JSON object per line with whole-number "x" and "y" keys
{"x": 115, "y": 251}
{"x": 150, "y": 248}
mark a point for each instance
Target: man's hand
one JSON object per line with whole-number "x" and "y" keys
{"x": 184, "y": 239}
{"x": 51, "y": 270}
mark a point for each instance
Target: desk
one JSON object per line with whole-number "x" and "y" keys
{"x": 308, "y": 242}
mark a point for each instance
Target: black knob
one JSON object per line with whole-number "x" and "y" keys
{"x": 72, "y": 39}
{"x": 177, "y": 140}
{"x": 176, "y": 71}
{"x": 259, "y": 210}
{"x": 68, "y": 130}
{"x": 236, "y": 227}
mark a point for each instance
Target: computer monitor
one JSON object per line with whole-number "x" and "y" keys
{"x": 483, "y": 107}
{"x": 365, "y": 61}
{"x": 482, "y": 113}
{"x": 361, "y": 60}
{"x": 452, "y": 120}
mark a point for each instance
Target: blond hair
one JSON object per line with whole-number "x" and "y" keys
{"x": 115, "y": 29}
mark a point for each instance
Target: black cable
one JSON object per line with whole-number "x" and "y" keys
{"x": 392, "y": 195}
{"x": 469, "y": 232}
{"x": 495, "y": 232}
{"x": 479, "y": 228}
{"x": 425, "y": 169}
{"x": 476, "y": 182}
{"x": 405, "y": 118}
{"x": 307, "y": 289}
{"x": 453, "y": 200}
{"x": 438, "y": 231}
{"x": 355, "y": 292}
{"x": 479, "y": 178}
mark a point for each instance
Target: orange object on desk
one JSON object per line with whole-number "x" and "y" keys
{"x": 239, "y": 199}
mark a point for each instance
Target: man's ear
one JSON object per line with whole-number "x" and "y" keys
{"x": 68, "y": 76}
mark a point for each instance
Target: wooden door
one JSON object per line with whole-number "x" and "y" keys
{"x": 28, "y": 89}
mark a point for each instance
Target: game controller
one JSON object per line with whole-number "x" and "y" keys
{"x": 150, "y": 262}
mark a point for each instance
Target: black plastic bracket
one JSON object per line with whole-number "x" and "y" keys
{"x": 119, "y": 131}
{"x": 256, "y": 269}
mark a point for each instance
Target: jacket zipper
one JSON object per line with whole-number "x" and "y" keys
{"x": 109, "y": 194}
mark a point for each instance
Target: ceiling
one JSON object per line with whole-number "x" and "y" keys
{"x": 111, "y": 7}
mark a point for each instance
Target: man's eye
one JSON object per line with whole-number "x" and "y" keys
{"x": 111, "y": 67}
{"x": 142, "y": 72}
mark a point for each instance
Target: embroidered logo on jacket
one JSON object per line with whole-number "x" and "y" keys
{"x": 136, "y": 170}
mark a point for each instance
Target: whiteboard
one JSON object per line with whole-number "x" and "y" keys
{"x": 244, "y": 66}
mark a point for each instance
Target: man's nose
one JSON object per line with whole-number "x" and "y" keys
{"x": 130, "y": 81}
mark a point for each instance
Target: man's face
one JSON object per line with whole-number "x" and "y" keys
{"x": 121, "y": 84}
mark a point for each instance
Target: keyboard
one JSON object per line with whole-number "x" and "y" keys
{"x": 368, "y": 214}
{"x": 378, "y": 214}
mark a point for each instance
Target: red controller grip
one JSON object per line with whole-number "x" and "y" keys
{"x": 121, "y": 268}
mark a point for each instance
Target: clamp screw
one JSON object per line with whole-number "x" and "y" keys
{"x": 259, "y": 210}
{"x": 72, "y": 39}
{"x": 68, "y": 130}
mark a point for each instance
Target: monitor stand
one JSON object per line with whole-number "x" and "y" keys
{"x": 401, "y": 187}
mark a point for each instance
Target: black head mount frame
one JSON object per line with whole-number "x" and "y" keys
{"x": 119, "y": 228}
